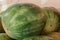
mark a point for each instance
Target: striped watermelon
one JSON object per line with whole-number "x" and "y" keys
{"x": 52, "y": 19}
{"x": 23, "y": 20}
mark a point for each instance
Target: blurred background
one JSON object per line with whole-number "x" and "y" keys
{"x": 4, "y": 4}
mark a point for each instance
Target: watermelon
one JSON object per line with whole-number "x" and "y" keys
{"x": 23, "y": 20}
{"x": 3, "y": 36}
{"x": 52, "y": 20}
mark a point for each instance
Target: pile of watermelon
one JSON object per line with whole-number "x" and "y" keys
{"x": 29, "y": 22}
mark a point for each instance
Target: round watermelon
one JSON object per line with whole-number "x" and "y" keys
{"x": 23, "y": 20}
{"x": 52, "y": 19}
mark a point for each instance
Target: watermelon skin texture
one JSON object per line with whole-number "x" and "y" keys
{"x": 3, "y": 36}
{"x": 52, "y": 20}
{"x": 23, "y": 20}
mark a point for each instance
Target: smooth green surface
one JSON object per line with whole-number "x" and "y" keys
{"x": 21, "y": 21}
